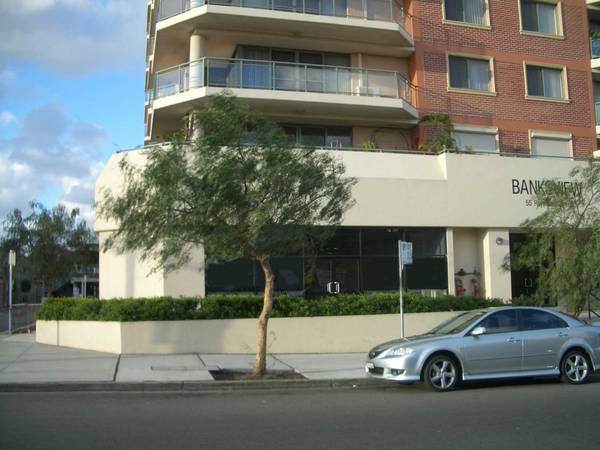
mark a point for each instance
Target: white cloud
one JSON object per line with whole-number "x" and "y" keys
{"x": 51, "y": 151}
{"x": 73, "y": 36}
{"x": 6, "y": 118}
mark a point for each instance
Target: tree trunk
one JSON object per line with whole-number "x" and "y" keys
{"x": 49, "y": 288}
{"x": 261, "y": 352}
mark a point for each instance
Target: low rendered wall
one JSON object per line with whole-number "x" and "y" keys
{"x": 87, "y": 335}
{"x": 285, "y": 335}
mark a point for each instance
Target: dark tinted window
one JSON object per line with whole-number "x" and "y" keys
{"x": 534, "y": 319}
{"x": 345, "y": 242}
{"x": 500, "y": 322}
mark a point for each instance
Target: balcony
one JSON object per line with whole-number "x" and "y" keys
{"x": 379, "y": 27}
{"x": 287, "y": 90}
{"x": 381, "y": 10}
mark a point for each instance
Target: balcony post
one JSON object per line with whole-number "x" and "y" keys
{"x": 197, "y": 51}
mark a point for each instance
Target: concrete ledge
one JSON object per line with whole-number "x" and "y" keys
{"x": 335, "y": 334}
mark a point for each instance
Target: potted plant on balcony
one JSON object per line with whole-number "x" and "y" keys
{"x": 438, "y": 130}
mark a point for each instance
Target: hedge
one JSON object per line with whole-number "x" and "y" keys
{"x": 249, "y": 306}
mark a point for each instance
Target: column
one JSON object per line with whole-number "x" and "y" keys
{"x": 197, "y": 52}
{"x": 450, "y": 260}
{"x": 495, "y": 248}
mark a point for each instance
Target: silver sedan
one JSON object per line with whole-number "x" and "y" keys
{"x": 492, "y": 343}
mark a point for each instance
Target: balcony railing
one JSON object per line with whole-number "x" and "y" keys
{"x": 595, "y": 47}
{"x": 597, "y": 113}
{"x": 150, "y": 49}
{"x": 252, "y": 74}
{"x": 384, "y": 10}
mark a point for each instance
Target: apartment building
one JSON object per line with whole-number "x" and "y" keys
{"x": 356, "y": 77}
{"x": 594, "y": 34}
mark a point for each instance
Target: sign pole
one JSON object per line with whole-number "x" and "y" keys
{"x": 405, "y": 256}
{"x": 11, "y": 263}
{"x": 401, "y": 269}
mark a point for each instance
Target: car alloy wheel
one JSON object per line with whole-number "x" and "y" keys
{"x": 575, "y": 367}
{"x": 441, "y": 373}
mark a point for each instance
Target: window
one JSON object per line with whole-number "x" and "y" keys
{"x": 360, "y": 259}
{"x": 476, "y": 140}
{"x": 548, "y": 82}
{"x": 534, "y": 319}
{"x": 314, "y": 136}
{"x": 470, "y": 73}
{"x": 500, "y": 322}
{"x": 540, "y": 17}
{"x": 468, "y": 11}
{"x": 550, "y": 144}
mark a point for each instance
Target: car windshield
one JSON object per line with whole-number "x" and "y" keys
{"x": 458, "y": 323}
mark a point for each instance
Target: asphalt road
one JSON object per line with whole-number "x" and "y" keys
{"x": 525, "y": 415}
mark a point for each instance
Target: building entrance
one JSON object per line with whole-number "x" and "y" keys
{"x": 333, "y": 276}
{"x": 523, "y": 281}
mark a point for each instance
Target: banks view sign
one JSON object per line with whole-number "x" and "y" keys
{"x": 529, "y": 187}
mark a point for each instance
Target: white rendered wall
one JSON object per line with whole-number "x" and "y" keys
{"x": 496, "y": 281}
{"x": 124, "y": 276}
{"x": 472, "y": 195}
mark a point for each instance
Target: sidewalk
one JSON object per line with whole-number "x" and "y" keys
{"x": 24, "y": 361}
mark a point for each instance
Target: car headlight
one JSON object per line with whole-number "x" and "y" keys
{"x": 399, "y": 351}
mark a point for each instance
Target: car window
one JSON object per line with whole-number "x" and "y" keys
{"x": 500, "y": 322}
{"x": 458, "y": 323}
{"x": 534, "y": 319}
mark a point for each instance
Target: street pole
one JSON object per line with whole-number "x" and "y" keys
{"x": 11, "y": 262}
{"x": 400, "y": 269}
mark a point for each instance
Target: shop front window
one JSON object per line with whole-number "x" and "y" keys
{"x": 358, "y": 259}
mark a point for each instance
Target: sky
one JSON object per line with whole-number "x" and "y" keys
{"x": 71, "y": 94}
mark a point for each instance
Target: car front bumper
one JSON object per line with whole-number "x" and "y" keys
{"x": 401, "y": 369}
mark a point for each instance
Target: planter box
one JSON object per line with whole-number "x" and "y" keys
{"x": 336, "y": 334}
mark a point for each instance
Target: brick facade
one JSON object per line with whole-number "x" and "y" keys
{"x": 508, "y": 109}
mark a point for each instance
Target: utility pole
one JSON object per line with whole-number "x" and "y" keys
{"x": 12, "y": 261}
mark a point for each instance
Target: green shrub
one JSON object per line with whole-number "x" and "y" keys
{"x": 249, "y": 306}
{"x": 126, "y": 310}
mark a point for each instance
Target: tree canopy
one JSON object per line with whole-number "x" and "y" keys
{"x": 563, "y": 243}
{"x": 50, "y": 242}
{"x": 239, "y": 190}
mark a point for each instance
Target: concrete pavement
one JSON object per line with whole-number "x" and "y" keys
{"x": 22, "y": 360}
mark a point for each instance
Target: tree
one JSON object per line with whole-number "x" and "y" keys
{"x": 51, "y": 241}
{"x": 239, "y": 190}
{"x": 438, "y": 130}
{"x": 563, "y": 243}
{"x": 13, "y": 237}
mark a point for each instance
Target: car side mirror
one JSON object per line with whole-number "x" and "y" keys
{"x": 478, "y": 331}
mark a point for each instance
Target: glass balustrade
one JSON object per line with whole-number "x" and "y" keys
{"x": 384, "y": 10}
{"x": 595, "y": 46}
{"x": 250, "y": 74}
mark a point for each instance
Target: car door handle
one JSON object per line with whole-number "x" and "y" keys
{"x": 561, "y": 334}
{"x": 512, "y": 339}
